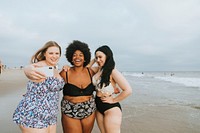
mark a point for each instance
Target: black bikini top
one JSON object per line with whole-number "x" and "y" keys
{"x": 73, "y": 90}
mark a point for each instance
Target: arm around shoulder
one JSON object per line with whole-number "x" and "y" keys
{"x": 63, "y": 74}
{"x": 93, "y": 68}
{"x": 91, "y": 63}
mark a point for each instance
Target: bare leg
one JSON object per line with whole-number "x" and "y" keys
{"x": 52, "y": 129}
{"x": 33, "y": 130}
{"x": 112, "y": 120}
{"x": 71, "y": 125}
{"x": 100, "y": 123}
{"x": 88, "y": 123}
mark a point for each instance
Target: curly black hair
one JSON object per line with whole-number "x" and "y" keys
{"x": 78, "y": 45}
{"x": 108, "y": 66}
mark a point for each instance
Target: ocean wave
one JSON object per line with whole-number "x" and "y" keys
{"x": 134, "y": 74}
{"x": 189, "y": 79}
{"x": 189, "y": 82}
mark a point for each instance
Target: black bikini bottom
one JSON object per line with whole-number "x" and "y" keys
{"x": 102, "y": 107}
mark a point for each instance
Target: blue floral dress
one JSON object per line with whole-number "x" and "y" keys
{"x": 39, "y": 106}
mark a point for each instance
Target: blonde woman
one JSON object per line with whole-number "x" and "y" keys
{"x": 38, "y": 109}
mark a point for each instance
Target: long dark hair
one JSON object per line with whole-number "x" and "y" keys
{"x": 108, "y": 66}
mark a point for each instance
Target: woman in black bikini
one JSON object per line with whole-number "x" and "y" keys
{"x": 78, "y": 104}
{"x": 108, "y": 114}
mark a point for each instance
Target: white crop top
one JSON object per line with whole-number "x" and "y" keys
{"x": 108, "y": 89}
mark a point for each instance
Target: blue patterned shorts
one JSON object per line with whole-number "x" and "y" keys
{"x": 39, "y": 106}
{"x": 30, "y": 115}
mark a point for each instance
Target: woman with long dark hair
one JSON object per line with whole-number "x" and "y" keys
{"x": 109, "y": 111}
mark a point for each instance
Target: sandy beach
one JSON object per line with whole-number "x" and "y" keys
{"x": 137, "y": 118}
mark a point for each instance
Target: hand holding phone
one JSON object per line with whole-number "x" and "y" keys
{"x": 47, "y": 70}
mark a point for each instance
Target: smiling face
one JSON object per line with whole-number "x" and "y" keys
{"x": 78, "y": 58}
{"x": 52, "y": 56}
{"x": 100, "y": 58}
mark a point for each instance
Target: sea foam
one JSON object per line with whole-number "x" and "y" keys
{"x": 190, "y": 82}
{"x": 188, "y": 79}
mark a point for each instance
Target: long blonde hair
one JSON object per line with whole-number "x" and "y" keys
{"x": 39, "y": 55}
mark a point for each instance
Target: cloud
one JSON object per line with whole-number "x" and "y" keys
{"x": 144, "y": 35}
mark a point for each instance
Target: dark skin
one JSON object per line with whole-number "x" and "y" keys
{"x": 80, "y": 78}
{"x": 77, "y": 75}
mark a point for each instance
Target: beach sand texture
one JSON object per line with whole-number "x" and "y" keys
{"x": 138, "y": 115}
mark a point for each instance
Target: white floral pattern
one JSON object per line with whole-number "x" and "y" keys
{"x": 39, "y": 106}
{"x": 78, "y": 110}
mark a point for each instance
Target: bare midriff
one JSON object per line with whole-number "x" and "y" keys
{"x": 100, "y": 94}
{"x": 78, "y": 99}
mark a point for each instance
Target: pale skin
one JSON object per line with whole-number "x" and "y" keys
{"x": 110, "y": 122}
{"x": 49, "y": 129}
{"x": 52, "y": 57}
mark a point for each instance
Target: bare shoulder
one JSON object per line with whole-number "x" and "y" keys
{"x": 117, "y": 75}
{"x": 115, "y": 72}
{"x": 121, "y": 80}
{"x": 62, "y": 72}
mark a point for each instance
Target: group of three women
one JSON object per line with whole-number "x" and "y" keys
{"x": 88, "y": 91}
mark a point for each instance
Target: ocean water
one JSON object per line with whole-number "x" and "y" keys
{"x": 164, "y": 88}
{"x": 149, "y": 89}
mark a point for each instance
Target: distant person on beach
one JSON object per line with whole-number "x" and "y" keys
{"x": 109, "y": 112}
{"x": 37, "y": 111}
{"x": 1, "y": 67}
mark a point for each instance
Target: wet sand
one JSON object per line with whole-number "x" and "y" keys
{"x": 136, "y": 118}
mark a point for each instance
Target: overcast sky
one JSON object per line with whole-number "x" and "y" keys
{"x": 145, "y": 35}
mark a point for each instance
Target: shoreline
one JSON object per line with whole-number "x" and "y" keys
{"x": 137, "y": 118}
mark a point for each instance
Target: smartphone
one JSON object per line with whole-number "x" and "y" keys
{"x": 47, "y": 70}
